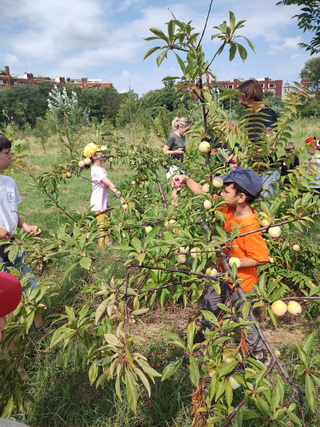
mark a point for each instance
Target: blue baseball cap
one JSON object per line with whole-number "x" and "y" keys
{"x": 245, "y": 178}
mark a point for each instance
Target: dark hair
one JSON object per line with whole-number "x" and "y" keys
{"x": 290, "y": 146}
{"x": 252, "y": 90}
{"x": 4, "y": 142}
{"x": 249, "y": 197}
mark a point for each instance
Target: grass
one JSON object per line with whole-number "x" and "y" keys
{"x": 63, "y": 397}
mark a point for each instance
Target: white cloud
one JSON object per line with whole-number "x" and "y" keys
{"x": 289, "y": 44}
{"x": 101, "y": 38}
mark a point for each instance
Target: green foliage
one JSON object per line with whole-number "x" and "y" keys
{"x": 308, "y": 20}
{"x": 96, "y": 328}
{"x": 311, "y": 70}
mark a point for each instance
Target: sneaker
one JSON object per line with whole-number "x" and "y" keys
{"x": 263, "y": 358}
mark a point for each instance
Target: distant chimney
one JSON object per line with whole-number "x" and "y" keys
{"x": 7, "y": 70}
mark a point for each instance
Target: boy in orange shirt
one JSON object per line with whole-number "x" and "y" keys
{"x": 240, "y": 188}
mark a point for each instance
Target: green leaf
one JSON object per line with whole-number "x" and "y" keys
{"x": 229, "y": 393}
{"x": 232, "y": 20}
{"x": 150, "y": 52}
{"x": 93, "y": 373}
{"x": 293, "y": 418}
{"x": 308, "y": 343}
{"x": 85, "y": 262}
{"x": 132, "y": 394}
{"x": 111, "y": 339}
{"x": 67, "y": 354}
{"x": 161, "y": 58}
{"x": 81, "y": 356}
{"x": 65, "y": 274}
{"x": 181, "y": 63}
{"x": 278, "y": 393}
{"x": 170, "y": 370}
{"x": 232, "y": 51}
{"x": 70, "y": 313}
{"x": 136, "y": 243}
{"x": 310, "y": 393}
{"x": 227, "y": 368}
{"x": 242, "y": 52}
{"x": 272, "y": 317}
{"x": 144, "y": 380}
{"x": 7, "y": 411}
{"x": 151, "y": 235}
{"x": 159, "y": 33}
{"x": 147, "y": 368}
{"x": 194, "y": 371}
{"x": 171, "y": 28}
{"x": 100, "y": 310}
{"x": 190, "y": 335}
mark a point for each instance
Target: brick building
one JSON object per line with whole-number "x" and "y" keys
{"x": 8, "y": 80}
{"x": 267, "y": 84}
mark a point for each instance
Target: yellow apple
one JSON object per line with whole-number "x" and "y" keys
{"x": 169, "y": 222}
{"x": 265, "y": 222}
{"x": 234, "y": 260}
{"x": 206, "y": 188}
{"x": 184, "y": 250}
{"x": 124, "y": 207}
{"x": 211, "y": 271}
{"x": 274, "y": 232}
{"x": 148, "y": 229}
{"x": 195, "y": 93}
{"x": 81, "y": 164}
{"x": 204, "y": 147}
{"x": 217, "y": 182}
{"x": 234, "y": 383}
{"x": 207, "y": 205}
{"x": 68, "y": 174}
{"x": 211, "y": 372}
{"x": 279, "y": 308}
{"x": 193, "y": 252}
{"x": 133, "y": 182}
{"x": 87, "y": 161}
{"x": 271, "y": 260}
{"x": 296, "y": 248}
{"x": 182, "y": 259}
{"x": 110, "y": 159}
{"x": 294, "y": 307}
{"x": 277, "y": 353}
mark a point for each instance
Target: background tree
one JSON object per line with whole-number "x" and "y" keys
{"x": 311, "y": 70}
{"x": 308, "y": 20}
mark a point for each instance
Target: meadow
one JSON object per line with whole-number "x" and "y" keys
{"x": 63, "y": 397}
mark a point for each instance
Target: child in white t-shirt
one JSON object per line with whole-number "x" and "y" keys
{"x": 313, "y": 146}
{"x": 101, "y": 185}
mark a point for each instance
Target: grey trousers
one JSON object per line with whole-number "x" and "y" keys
{"x": 210, "y": 303}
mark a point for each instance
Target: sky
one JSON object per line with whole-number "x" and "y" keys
{"x": 105, "y": 39}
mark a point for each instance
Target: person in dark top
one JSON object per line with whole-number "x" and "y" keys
{"x": 261, "y": 122}
{"x": 176, "y": 147}
{"x": 287, "y": 167}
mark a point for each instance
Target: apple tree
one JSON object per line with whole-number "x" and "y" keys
{"x": 175, "y": 253}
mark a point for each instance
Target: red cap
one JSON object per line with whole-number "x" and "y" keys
{"x": 314, "y": 142}
{"x": 10, "y": 293}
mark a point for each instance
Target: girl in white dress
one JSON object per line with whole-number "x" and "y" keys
{"x": 101, "y": 185}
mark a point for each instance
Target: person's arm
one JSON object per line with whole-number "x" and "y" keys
{"x": 31, "y": 229}
{"x": 111, "y": 186}
{"x": 4, "y": 234}
{"x": 167, "y": 150}
{"x": 250, "y": 262}
{"x": 190, "y": 183}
